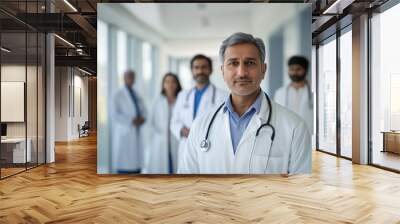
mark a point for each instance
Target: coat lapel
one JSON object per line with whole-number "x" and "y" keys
{"x": 205, "y": 102}
{"x": 256, "y": 121}
{"x": 131, "y": 107}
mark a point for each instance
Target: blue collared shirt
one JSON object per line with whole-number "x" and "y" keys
{"x": 198, "y": 93}
{"x": 239, "y": 124}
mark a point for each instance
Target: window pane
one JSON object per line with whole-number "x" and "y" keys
{"x": 132, "y": 57}
{"x": 327, "y": 97}
{"x": 147, "y": 62}
{"x": 185, "y": 75}
{"x": 385, "y": 84}
{"x": 345, "y": 94}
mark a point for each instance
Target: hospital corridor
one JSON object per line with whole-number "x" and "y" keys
{"x": 200, "y": 111}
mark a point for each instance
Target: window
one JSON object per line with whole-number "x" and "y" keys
{"x": 122, "y": 61}
{"x": 148, "y": 70}
{"x": 185, "y": 74}
{"x": 147, "y": 62}
{"x": 172, "y": 64}
{"x": 346, "y": 94}
{"x": 385, "y": 89}
{"x": 327, "y": 96}
{"x": 394, "y": 101}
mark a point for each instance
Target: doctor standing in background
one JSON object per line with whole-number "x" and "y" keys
{"x": 297, "y": 96}
{"x": 195, "y": 101}
{"x": 128, "y": 114}
{"x": 163, "y": 146}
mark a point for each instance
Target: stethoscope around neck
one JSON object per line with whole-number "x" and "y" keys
{"x": 205, "y": 143}
{"x": 186, "y": 105}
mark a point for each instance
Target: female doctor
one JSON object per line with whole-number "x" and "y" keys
{"x": 248, "y": 133}
{"x": 163, "y": 146}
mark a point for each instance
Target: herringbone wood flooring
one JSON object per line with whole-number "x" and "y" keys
{"x": 70, "y": 191}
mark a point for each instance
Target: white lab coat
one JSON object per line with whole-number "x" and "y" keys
{"x": 183, "y": 111}
{"x": 290, "y": 152}
{"x": 127, "y": 139}
{"x": 297, "y": 101}
{"x": 160, "y": 148}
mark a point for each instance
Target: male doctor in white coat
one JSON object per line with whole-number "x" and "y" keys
{"x": 195, "y": 101}
{"x": 128, "y": 116}
{"x": 297, "y": 96}
{"x": 248, "y": 133}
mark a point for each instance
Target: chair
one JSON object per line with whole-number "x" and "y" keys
{"x": 84, "y": 130}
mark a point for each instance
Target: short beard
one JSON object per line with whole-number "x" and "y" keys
{"x": 202, "y": 79}
{"x": 296, "y": 78}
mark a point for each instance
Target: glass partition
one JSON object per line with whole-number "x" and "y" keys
{"x": 15, "y": 149}
{"x": 22, "y": 78}
{"x": 31, "y": 98}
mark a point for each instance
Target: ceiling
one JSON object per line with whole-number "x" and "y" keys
{"x": 74, "y": 22}
{"x": 205, "y": 20}
{"x": 79, "y": 27}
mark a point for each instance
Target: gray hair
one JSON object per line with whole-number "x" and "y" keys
{"x": 240, "y": 38}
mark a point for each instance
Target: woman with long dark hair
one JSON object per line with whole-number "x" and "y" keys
{"x": 163, "y": 146}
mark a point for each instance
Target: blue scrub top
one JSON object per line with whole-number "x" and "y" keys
{"x": 198, "y": 93}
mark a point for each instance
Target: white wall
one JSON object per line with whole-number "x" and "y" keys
{"x": 61, "y": 103}
{"x": 68, "y": 82}
{"x": 16, "y": 73}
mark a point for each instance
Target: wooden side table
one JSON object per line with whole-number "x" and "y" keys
{"x": 391, "y": 141}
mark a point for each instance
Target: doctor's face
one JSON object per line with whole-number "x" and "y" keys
{"x": 297, "y": 73}
{"x": 129, "y": 79}
{"x": 170, "y": 86}
{"x": 243, "y": 69}
{"x": 201, "y": 70}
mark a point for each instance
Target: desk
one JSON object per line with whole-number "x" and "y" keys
{"x": 15, "y": 148}
{"x": 391, "y": 141}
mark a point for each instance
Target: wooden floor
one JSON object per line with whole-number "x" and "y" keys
{"x": 5, "y": 172}
{"x": 70, "y": 191}
{"x": 387, "y": 159}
